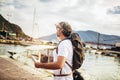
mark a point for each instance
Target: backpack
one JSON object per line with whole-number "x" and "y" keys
{"x": 78, "y": 51}
{"x": 78, "y": 55}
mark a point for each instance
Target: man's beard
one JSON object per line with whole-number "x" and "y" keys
{"x": 58, "y": 35}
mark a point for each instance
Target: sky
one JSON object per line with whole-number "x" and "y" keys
{"x": 38, "y": 17}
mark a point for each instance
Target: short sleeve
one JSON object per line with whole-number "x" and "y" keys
{"x": 64, "y": 48}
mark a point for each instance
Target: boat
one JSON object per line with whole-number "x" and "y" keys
{"x": 42, "y": 53}
{"x": 38, "y": 51}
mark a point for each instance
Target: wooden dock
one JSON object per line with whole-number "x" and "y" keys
{"x": 109, "y": 52}
{"x": 23, "y": 43}
{"x": 5, "y": 41}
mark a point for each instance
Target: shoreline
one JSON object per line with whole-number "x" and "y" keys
{"x": 25, "y": 43}
{"x": 14, "y": 70}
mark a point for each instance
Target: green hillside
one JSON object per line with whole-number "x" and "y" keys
{"x": 11, "y": 28}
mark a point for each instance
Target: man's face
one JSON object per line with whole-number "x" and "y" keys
{"x": 59, "y": 31}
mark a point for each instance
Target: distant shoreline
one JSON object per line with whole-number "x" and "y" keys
{"x": 25, "y": 43}
{"x": 3, "y": 41}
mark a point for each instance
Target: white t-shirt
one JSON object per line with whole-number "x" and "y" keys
{"x": 64, "y": 49}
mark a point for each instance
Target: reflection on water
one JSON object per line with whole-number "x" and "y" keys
{"x": 102, "y": 67}
{"x": 97, "y": 66}
{"x": 4, "y": 48}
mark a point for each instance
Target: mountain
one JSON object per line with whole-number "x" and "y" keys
{"x": 90, "y": 36}
{"x": 11, "y": 28}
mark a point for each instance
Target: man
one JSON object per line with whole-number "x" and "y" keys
{"x": 62, "y": 71}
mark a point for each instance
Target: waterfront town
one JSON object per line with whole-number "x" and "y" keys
{"x": 28, "y": 34}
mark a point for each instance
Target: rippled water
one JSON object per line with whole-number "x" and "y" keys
{"x": 102, "y": 67}
{"x": 97, "y": 66}
{"x": 4, "y": 48}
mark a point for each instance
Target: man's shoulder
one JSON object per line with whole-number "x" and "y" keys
{"x": 66, "y": 41}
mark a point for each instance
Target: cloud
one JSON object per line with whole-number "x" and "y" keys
{"x": 45, "y": 1}
{"x": 81, "y": 14}
{"x": 114, "y": 10}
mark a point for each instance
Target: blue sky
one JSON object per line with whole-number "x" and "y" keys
{"x": 98, "y": 15}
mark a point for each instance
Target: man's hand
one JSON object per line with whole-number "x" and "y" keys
{"x": 34, "y": 59}
{"x": 37, "y": 64}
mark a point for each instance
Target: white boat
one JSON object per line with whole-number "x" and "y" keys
{"x": 43, "y": 53}
{"x": 39, "y": 47}
{"x": 92, "y": 51}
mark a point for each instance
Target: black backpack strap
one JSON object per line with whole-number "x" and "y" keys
{"x": 60, "y": 71}
{"x": 58, "y": 75}
{"x": 69, "y": 65}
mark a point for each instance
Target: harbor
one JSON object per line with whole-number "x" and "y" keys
{"x": 92, "y": 69}
{"x": 32, "y": 31}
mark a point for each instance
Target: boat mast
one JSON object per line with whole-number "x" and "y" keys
{"x": 98, "y": 43}
{"x": 33, "y": 21}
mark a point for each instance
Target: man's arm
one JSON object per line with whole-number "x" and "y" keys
{"x": 52, "y": 65}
